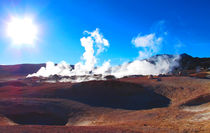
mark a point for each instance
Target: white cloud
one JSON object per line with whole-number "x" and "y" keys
{"x": 149, "y": 43}
{"x": 144, "y": 41}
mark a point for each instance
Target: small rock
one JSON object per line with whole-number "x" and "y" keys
{"x": 150, "y": 77}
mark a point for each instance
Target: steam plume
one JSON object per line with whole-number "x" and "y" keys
{"x": 149, "y": 43}
{"x": 86, "y": 69}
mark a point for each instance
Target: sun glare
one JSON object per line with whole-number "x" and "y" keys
{"x": 22, "y": 31}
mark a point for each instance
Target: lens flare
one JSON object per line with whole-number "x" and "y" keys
{"x": 22, "y": 31}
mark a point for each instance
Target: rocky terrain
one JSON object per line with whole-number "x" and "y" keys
{"x": 177, "y": 102}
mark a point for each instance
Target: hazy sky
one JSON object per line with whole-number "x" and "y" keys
{"x": 183, "y": 25}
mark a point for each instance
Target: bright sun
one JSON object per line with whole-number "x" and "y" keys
{"x": 22, "y": 31}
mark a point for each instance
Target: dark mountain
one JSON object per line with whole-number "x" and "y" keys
{"x": 20, "y": 69}
{"x": 186, "y": 62}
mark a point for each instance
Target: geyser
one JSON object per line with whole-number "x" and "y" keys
{"x": 86, "y": 69}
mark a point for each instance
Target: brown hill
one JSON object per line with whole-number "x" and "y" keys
{"x": 136, "y": 103}
{"x": 20, "y": 69}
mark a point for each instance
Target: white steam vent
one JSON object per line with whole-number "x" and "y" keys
{"x": 95, "y": 44}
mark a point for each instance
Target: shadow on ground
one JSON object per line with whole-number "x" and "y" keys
{"x": 113, "y": 94}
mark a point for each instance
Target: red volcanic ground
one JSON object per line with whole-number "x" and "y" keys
{"x": 135, "y": 104}
{"x": 62, "y": 129}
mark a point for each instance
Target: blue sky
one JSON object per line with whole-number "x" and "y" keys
{"x": 183, "y": 25}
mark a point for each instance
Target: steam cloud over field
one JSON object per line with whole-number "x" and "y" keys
{"x": 94, "y": 44}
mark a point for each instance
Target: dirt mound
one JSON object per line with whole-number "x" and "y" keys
{"x": 204, "y": 75}
{"x": 198, "y": 100}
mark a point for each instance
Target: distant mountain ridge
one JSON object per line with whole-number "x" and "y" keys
{"x": 20, "y": 69}
{"x": 186, "y": 62}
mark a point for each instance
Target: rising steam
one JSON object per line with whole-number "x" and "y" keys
{"x": 150, "y": 45}
{"x": 86, "y": 69}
